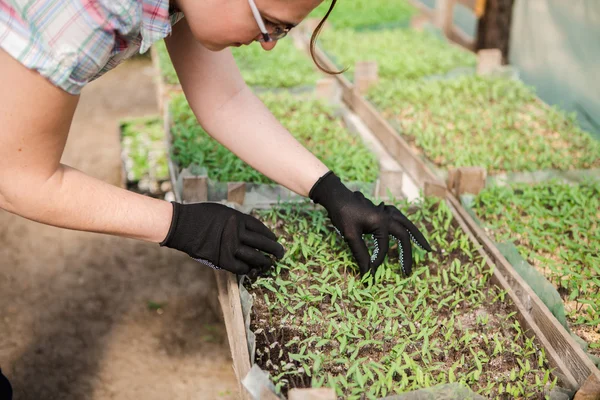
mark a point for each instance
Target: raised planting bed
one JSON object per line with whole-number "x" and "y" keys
{"x": 283, "y": 67}
{"x": 454, "y": 320}
{"x": 367, "y": 14}
{"x": 399, "y": 53}
{"x": 494, "y": 123}
{"x": 314, "y": 123}
{"x": 144, "y": 157}
{"x": 555, "y": 228}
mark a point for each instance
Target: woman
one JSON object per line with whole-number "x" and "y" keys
{"x": 49, "y": 50}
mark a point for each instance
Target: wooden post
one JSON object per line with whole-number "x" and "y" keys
{"x": 466, "y": 180}
{"x": 195, "y": 189}
{"x": 443, "y": 15}
{"x": 312, "y": 394}
{"x": 488, "y": 60}
{"x": 328, "y": 90}
{"x": 590, "y": 389}
{"x": 434, "y": 189}
{"x": 365, "y": 75}
{"x": 229, "y": 298}
{"x": 236, "y": 192}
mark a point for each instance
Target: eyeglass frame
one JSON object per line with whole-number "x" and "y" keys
{"x": 266, "y": 36}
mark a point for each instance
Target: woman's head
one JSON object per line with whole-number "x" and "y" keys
{"x": 218, "y": 24}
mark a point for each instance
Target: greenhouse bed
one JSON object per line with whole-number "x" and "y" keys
{"x": 549, "y": 159}
{"x": 256, "y": 66}
{"x": 144, "y": 163}
{"x": 196, "y": 158}
{"x": 529, "y": 317}
{"x": 547, "y": 231}
{"x": 578, "y": 363}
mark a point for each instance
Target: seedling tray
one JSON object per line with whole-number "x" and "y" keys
{"x": 569, "y": 353}
{"x": 367, "y": 14}
{"x": 229, "y": 296}
{"x": 144, "y": 164}
{"x": 553, "y": 227}
{"x": 354, "y": 160}
{"x": 282, "y": 68}
{"x": 400, "y": 54}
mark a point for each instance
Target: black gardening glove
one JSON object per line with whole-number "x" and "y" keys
{"x": 353, "y": 215}
{"x": 5, "y": 388}
{"x": 222, "y": 238}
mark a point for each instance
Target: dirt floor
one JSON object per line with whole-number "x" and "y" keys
{"x": 78, "y": 311}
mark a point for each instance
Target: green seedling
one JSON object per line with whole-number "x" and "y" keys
{"x": 496, "y": 123}
{"x": 283, "y": 67}
{"x": 401, "y": 54}
{"x": 312, "y": 122}
{"x": 555, "y": 228}
{"x": 367, "y": 14}
{"x": 144, "y": 147}
{"x": 387, "y": 333}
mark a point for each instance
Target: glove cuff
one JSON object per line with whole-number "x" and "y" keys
{"x": 172, "y": 228}
{"x": 328, "y": 188}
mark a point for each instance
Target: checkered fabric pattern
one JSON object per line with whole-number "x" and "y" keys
{"x": 72, "y": 42}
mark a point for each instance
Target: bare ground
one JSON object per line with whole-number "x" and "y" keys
{"x": 75, "y": 320}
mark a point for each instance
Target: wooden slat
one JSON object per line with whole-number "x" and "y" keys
{"x": 173, "y": 167}
{"x": 386, "y": 134}
{"x": 524, "y": 317}
{"x": 229, "y": 297}
{"x": 575, "y": 360}
{"x": 312, "y": 394}
{"x": 393, "y": 142}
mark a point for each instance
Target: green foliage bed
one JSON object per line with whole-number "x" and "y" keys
{"x": 317, "y": 324}
{"x": 310, "y": 121}
{"x": 365, "y": 14}
{"x": 400, "y": 53}
{"x": 556, "y": 228}
{"x": 496, "y": 123}
{"x": 144, "y": 145}
{"x": 283, "y": 67}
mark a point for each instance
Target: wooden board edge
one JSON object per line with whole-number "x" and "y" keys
{"x": 525, "y": 318}
{"x": 380, "y": 127}
{"x": 231, "y": 306}
{"x": 173, "y": 167}
{"x": 122, "y": 156}
{"x": 577, "y": 362}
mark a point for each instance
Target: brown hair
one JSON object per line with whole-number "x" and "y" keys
{"x": 313, "y": 41}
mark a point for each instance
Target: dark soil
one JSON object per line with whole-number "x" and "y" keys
{"x": 272, "y": 333}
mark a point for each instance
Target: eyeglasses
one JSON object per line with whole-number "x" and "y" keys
{"x": 279, "y": 31}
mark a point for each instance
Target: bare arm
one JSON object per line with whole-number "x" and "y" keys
{"x": 234, "y": 116}
{"x": 35, "y": 118}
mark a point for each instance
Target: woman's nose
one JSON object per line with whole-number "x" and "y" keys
{"x": 268, "y": 46}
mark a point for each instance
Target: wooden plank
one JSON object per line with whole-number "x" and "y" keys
{"x": 466, "y": 180}
{"x": 488, "y": 60}
{"x": 124, "y": 178}
{"x": 312, "y": 394}
{"x": 392, "y": 141}
{"x": 435, "y": 189}
{"x": 590, "y": 389}
{"x": 173, "y": 167}
{"x": 160, "y": 86}
{"x": 521, "y": 300}
{"x": 576, "y": 361}
{"x": 229, "y": 298}
{"x": 236, "y": 192}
